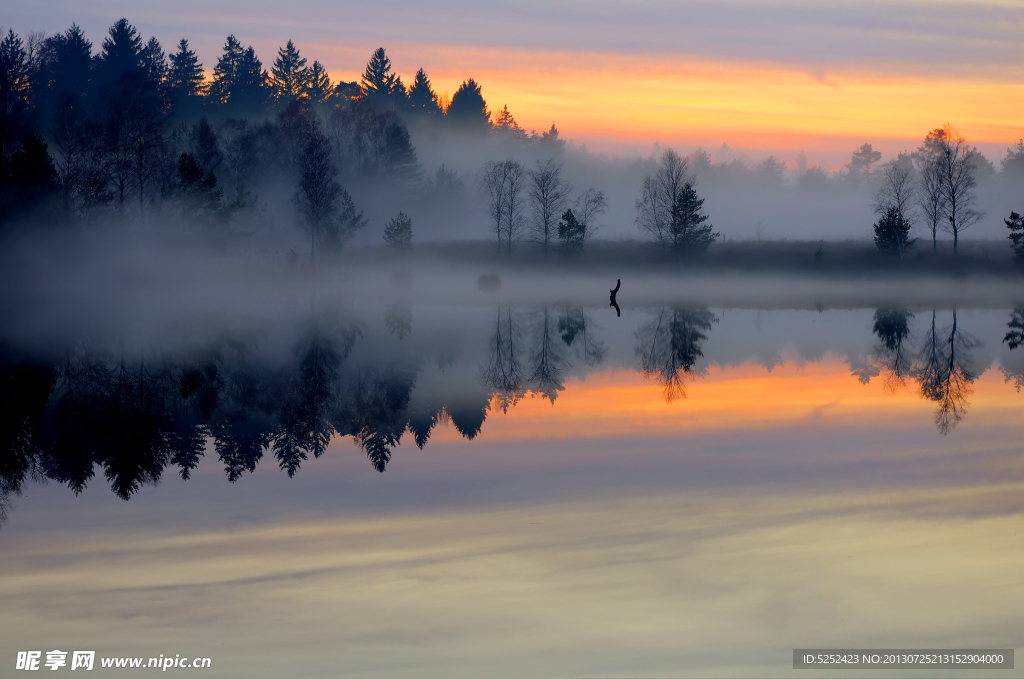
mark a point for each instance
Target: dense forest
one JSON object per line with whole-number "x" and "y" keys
{"x": 136, "y": 135}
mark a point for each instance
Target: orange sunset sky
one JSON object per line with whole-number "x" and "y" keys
{"x": 779, "y": 77}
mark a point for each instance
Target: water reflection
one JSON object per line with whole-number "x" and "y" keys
{"x": 670, "y": 344}
{"x": 92, "y": 407}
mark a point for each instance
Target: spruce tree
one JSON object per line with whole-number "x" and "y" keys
{"x": 468, "y": 106}
{"x": 154, "y": 63}
{"x": 288, "y": 74}
{"x": 378, "y": 82}
{"x": 225, "y": 73}
{"x": 398, "y": 232}
{"x": 121, "y": 52}
{"x": 571, "y": 233}
{"x": 422, "y": 98}
{"x": 1016, "y": 226}
{"x": 892, "y": 232}
{"x": 317, "y": 85}
{"x": 688, "y": 232}
{"x": 185, "y": 75}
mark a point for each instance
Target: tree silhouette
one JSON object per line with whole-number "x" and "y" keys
{"x": 1015, "y": 224}
{"x": 422, "y": 98}
{"x": 185, "y": 80}
{"x": 226, "y": 72}
{"x": 317, "y": 84}
{"x": 288, "y": 74}
{"x": 862, "y": 160}
{"x": 891, "y": 326}
{"x": 670, "y": 344}
{"x": 378, "y": 82}
{"x": 575, "y": 328}
{"x": 549, "y": 364}
{"x": 957, "y": 172}
{"x": 942, "y": 373}
{"x": 120, "y": 53}
{"x": 892, "y": 232}
{"x": 398, "y": 232}
{"x": 505, "y": 182}
{"x": 468, "y": 107}
{"x": 1015, "y": 337}
{"x": 548, "y": 194}
{"x": 504, "y": 374}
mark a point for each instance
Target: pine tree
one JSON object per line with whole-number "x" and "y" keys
{"x": 225, "y": 74}
{"x": 571, "y": 233}
{"x": 14, "y": 90}
{"x": 398, "y": 232}
{"x": 1016, "y": 226}
{"x": 507, "y": 123}
{"x": 378, "y": 82}
{"x": 317, "y": 85}
{"x": 239, "y": 79}
{"x": 468, "y": 106}
{"x": 892, "y": 232}
{"x": 422, "y": 98}
{"x": 288, "y": 74}
{"x": 154, "y": 63}
{"x": 185, "y": 75}
{"x": 688, "y": 231}
{"x": 121, "y": 52}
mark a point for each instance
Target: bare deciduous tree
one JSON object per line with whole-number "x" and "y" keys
{"x": 504, "y": 183}
{"x": 931, "y": 198}
{"x": 898, "y": 192}
{"x": 659, "y": 194}
{"x": 959, "y": 179}
{"x": 548, "y": 194}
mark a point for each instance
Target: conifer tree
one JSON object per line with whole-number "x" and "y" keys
{"x": 422, "y": 98}
{"x": 288, "y": 74}
{"x": 154, "y": 63}
{"x": 121, "y": 52}
{"x": 892, "y": 232}
{"x": 14, "y": 89}
{"x": 1016, "y": 226}
{"x": 317, "y": 85}
{"x": 398, "y": 232}
{"x": 378, "y": 82}
{"x": 185, "y": 75}
{"x": 688, "y": 231}
{"x": 225, "y": 73}
{"x": 468, "y": 106}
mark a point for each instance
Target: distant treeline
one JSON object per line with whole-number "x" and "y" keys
{"x": 131, "y": 131}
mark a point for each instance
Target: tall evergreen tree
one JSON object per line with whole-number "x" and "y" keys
{"x": 317, "y": 86}
{"x": 154, "y": 62}
{"x": 378, "y": 82}
{"x": 422, "y": 98}
{"x": 892, "y": 232}
{"x": 688, "y": 231}
{"x": 225, "y": 73}
{"x": 185, "y": 85}
{"x": 288, "y": 74}
{"x": 63, "y": 69}
{"x": 468, "y": 106}
{"x": 14, "y": 91}
{"x": 121, "y": 52}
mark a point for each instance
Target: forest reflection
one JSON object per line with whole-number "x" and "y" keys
{"x": 939, "y": 363}
{"x": 86, "y": 409}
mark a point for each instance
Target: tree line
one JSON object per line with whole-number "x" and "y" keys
{"x": 129, "y": 129}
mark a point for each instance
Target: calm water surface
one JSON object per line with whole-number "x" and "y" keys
{"x": 407, "y": 489}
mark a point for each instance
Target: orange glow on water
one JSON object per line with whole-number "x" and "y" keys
{"x": 623, "y": 402}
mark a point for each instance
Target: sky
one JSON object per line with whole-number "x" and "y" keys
{"x": 778, "y": 77}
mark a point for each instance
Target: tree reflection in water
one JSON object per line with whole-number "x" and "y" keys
{"x": 670, "y": 344}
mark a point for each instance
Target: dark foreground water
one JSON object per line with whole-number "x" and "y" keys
{"x": 410, "y": 488}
